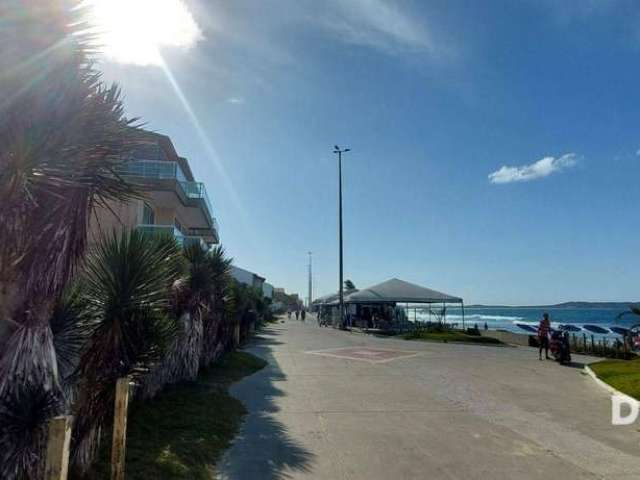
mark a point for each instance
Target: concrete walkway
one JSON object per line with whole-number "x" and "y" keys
{"x": 447, "y": 412}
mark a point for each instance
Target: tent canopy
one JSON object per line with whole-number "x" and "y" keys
{"x": 399, "y": 291}
{"x": 326, "y": 299}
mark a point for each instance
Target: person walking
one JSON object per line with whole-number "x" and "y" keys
{"x": 297, "y": 314}
{"x": 303, "y": 314}
{"x": 543, "y": 335}
{"x": 289, "y": 314}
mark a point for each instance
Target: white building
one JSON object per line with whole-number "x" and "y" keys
{"x": 252, "y": 279}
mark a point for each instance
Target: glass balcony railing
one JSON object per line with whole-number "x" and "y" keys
{"x": 183, "y": 240}
{"x": 162, "y": 230}
{"x": 162, "y": 170}
{"x": 193, "y": 240}
{"x": 151, "y": 169}
{"x": 198, "y": 190}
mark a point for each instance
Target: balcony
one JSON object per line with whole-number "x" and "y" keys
{"x": 195, "y": 240}
{"x": 169, "y": 230}
{"x": 158, "y": 169}
{"x": 183, "y": 240}
{"x": 197, "y": 190}
{"x": 161, "y": 170}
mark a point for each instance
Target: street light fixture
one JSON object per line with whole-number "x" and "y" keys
{"x": 340, "y": 151}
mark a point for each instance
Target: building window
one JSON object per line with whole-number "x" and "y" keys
{"x": 148, "y": 215}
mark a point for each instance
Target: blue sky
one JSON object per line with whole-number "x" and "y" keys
{"x": 432, "y": 97}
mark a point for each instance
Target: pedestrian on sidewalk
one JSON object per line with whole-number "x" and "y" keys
{"x": 303, "y": 314}
{"x": 543, "y": 335}
{"x": 297, "y": 314}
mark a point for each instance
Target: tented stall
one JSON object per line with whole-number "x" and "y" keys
{"x": 384, "y": 297}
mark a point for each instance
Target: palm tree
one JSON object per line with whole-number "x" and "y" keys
{"x": 249, "y": 305}
{"x": 128, "y": 280}
{"x": 349, "y": 286}
{"x": 191, "y": 298}
{"x": 217, "y": 322}
{"x": 62, "y": 133}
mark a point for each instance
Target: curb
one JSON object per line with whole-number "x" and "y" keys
{"x": 605, "y": 385}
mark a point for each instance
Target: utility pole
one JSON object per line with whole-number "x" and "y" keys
{"x": 310, "y": 283}
{"x": 339, "y": 151}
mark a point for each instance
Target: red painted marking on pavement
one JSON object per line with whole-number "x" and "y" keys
{"x": 374, "y": 355}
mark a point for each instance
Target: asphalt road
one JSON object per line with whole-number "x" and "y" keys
{"x": 400, "y": 409}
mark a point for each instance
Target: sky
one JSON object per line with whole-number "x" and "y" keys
{"x": 495, "y": 146}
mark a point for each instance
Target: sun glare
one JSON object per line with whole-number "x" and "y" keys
{"x": 134, "y": 31}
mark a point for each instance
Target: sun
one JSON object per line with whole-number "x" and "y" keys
{"x": 135, "y": 31}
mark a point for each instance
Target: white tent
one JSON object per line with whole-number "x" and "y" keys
{"x": 399, "y": 291}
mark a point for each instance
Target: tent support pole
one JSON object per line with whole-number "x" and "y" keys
{"x": 463, "y": 324}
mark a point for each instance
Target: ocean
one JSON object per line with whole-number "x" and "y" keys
{"x": 507, "y": 318}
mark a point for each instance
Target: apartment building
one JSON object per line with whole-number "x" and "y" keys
{"x": 247, "y": 277}
{"x": 174, "y": 203}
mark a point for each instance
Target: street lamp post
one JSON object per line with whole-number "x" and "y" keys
{"x": 340, "y": 151}
{"x": 310, "y": 299}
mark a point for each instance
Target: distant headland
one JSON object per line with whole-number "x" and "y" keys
{"x": 621, "y": 305}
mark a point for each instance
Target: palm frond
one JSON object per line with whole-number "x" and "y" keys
{"x": 127, "y": 282}
{"x": 61, "y": 137}
{"x": 72, "y": 327}
{"x": 24, "y": 413}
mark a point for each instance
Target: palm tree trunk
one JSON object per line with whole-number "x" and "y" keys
{"x": 182, "y": 360}
{"x": 30, "y": 393}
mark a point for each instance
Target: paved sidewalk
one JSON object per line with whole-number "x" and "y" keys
{"x": 394, "y": 409}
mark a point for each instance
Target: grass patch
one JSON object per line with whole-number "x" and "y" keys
{"x": 182, "y": 433}
{"x": 620, "y": 374}
{"x": 450, "y": 336}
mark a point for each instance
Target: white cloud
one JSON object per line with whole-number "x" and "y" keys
{"x": 540, "y": 169}
{"x": 378, "y": 24}
{"x": 236, "y": 100}
{"x": 134, "y": 31}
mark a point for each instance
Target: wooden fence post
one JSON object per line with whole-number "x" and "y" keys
{"x": 57, "y": 466}
{"x": 118, "y": 446}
